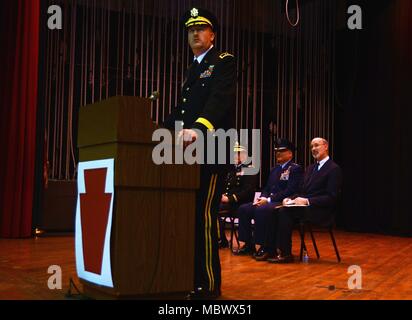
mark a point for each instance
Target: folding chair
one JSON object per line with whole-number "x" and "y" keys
{"x": 231, "y": 215}
{"x": 303, "y": 225}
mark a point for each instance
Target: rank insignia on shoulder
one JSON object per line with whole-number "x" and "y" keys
{"x": 225, "y": 54}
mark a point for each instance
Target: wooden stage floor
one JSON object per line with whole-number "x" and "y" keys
{"x": 386, "y": 264}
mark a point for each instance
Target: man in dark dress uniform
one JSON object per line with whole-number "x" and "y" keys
{"x": 284, "y": 180}
{"x": 206, "y": 104}
{"x": 318, "y": 199}
{"x": 239, "y": 189}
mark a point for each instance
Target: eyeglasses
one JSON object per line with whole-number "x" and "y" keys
{"x": 316, "y": 145}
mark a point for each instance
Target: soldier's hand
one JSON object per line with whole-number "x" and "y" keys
{"x": 261, "y": 202}
{"x": 224, "y": 199}
{"x": 186, "y": 137}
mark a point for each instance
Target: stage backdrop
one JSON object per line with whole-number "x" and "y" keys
{"x": 107, "y": 48}
{"x": 286, "y": 82}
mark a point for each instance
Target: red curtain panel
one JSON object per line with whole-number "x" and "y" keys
{"x": 18, "y": 102}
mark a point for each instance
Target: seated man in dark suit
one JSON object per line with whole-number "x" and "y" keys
{"x": 239, "y": 189}
{"x": 284, "y": 181}
{"x": 317, "y": 199}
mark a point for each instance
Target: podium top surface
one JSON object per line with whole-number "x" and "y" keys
{"x": 117, "y": 119}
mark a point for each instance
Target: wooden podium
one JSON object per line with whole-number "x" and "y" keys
{"x": 151, "y": 237}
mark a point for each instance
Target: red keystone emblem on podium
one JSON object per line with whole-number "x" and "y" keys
{"x": 94, "y": 213}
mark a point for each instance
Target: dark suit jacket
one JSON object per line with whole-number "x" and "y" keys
{"x": 283, "y": 183}
{"x": 322, "y": 187}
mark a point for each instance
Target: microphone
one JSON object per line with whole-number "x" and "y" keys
{"x": 154, "y": 96}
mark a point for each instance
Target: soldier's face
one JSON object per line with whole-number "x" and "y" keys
{"x": 240, "y": 157}
{"x": 200, "y": 38}
{"x": 283, "y": 156}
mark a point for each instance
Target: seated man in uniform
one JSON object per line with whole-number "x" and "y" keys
{"x": 314, "y": 203}
{"x": 284, "y": 180}
{"x": 239, "y": 189}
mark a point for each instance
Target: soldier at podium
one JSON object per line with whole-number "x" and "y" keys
{"x": 206, "y": 104}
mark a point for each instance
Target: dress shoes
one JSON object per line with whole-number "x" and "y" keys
{"x": 203, "y": 294}
{"x": 243, "y": 251}
{"x": 281, "y": 259}
{"x": 265, "y": 256}
{"x": 258, "y": 253}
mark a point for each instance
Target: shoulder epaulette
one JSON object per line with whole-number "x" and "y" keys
{"x": 225, "y": 54}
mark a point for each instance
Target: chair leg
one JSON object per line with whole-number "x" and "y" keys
{"x": 234, "y": 232}
{"x": 231, "y": 234}
{"x": 314, "y": 242}
{"x": 222, "y": 228}
{"x": 302, "y": 240}
{"x": 334, "y": 244}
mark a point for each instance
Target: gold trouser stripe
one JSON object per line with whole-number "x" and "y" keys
{"x": 208, "y": 239}
{"x": 210, "y": 235}
{"x": 206, "y": 123}
{"x": 218, "y": 227}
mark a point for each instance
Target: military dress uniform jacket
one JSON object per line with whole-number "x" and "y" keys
{"x": 208, "y": 94}
{"x": 240, "y": 188}
{"x": 283, "y": 182}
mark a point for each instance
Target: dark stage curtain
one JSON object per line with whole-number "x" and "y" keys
{"x": 19, "y": 22}
{"x": 375, "y": 87}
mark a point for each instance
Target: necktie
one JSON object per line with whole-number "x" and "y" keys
{"x": 313, "y": 174}
{"x": 192, "y": 69}
{"x": 195, "y": 64}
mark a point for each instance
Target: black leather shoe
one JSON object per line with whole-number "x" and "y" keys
{"x": 281, "y": 259}
{"x": 244, "y": 251}
{"x": 260, "y": 252}
{"x": 203, "y": 294}
{"x": 265, "y": 256}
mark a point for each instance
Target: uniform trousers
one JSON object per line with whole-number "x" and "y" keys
{"x": 207, "y": 264}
